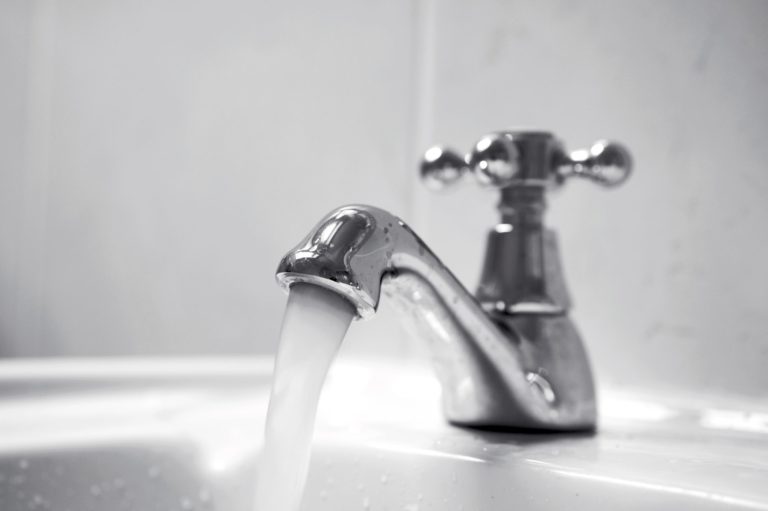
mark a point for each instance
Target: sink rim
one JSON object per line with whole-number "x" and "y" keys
{"x": 640, "y": 434}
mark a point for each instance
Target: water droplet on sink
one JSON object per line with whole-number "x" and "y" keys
{"x": 23, "y": 463}
{"x": 384, "y": 478}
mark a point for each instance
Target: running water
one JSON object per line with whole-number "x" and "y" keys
{"x": 314, "y": 325}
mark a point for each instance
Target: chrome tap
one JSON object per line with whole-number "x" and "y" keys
{"x": 509, "y": 357}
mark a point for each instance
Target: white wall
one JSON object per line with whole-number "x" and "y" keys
{"x": 177, "y": 150}
{"x": 670, "y": 273}
{"x": 157, "y": 158}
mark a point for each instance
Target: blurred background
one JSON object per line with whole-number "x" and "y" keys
{"x": 158, "y": 157}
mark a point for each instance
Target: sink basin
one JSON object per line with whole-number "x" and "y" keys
{"x": 185, "y": 434}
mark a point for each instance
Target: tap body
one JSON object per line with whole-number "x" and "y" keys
{"x": 497, "y": 369}
{"x": 509, "y": 357}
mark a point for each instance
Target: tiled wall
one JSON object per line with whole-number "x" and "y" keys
{"x": 158, "y": 157}
{"x": 670, "y": 273}
{"x": 176, "y": 151}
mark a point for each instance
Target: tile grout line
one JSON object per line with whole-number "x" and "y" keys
{"x": 31, "y": 248}
{"x": 422, "y": 104}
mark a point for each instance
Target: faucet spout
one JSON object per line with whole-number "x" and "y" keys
{"x": 497, "y": 369}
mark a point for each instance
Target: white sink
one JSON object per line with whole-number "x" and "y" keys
{"x": 185, "y": 434}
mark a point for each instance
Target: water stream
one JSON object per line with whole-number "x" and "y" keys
{"x": 314, "y": 325}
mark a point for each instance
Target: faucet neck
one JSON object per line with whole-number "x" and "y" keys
{"x": 523, "y": 205}
{"x": 494, "y": 373}
{"x": 521, "y": 273}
